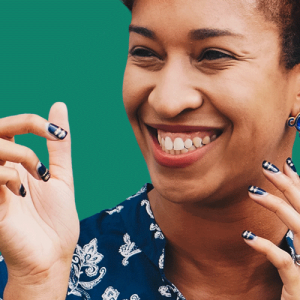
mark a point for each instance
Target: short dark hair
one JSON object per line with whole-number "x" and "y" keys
{"x": 286, "y": 15}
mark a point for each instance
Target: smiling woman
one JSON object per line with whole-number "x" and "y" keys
{"x": 208, "y": 89}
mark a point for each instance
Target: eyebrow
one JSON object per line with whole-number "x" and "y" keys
{"x": 142, "y": 31}
{"x": 197, "y": 34}
{"x": 205, "y": 33}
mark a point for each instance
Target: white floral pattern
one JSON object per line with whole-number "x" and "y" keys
{"x": 115, "y": 210}
{"x": 110, "y": 294}
{"x": 1, "y": 259}
{"x": 85, "y": 259}
{"x": 158, "y": 234}
{"x": 134, "y": 297}
{"x": 161, "y": 262}
{"x": 113, "y": 294}
{"x": 141, "y": 191}
{"x": 128, "y": 250}
{"x": 164, "y": 291}
{"x": 167, "y": 289}
{"x": 148, "y": 208}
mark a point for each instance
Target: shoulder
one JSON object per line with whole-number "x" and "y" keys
{"x": 114, "y": 254}
{"x": 112, "y": 223}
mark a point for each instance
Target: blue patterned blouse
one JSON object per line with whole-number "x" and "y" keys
{"x": 120, "y": 256}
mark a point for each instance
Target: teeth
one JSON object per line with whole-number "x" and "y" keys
{"x": 178, "y": 144}
{"x": 206, "y": 140}
{"x": 192, "y": 148}
{"x": 181, "y": 147}
{"x": 184, "y": 151}
{"x": 197, "y": 142}
{"x": 168, "y": 143}
{"x": 188, "y": 143}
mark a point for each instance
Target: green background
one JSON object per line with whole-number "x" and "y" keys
{"x": 75, "y": 51}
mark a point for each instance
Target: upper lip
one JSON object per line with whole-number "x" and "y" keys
{"x": 183, "y": 128}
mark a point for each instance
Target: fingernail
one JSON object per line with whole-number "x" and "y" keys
{"x": 257, "y": 191}
{"x": 248, "y": 235}
{"x": 269, "y": 167}
{"x": 43, "y": 172}
{"x": 22, "y": 190}
{"x": 56, "y": 131}
{"x": 291, "y": 164}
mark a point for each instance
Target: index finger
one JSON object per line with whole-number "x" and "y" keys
{"x": 30, "y": 123}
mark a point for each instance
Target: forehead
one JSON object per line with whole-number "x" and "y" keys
{"x": 178, "y": 15}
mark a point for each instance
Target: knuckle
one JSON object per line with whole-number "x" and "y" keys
{"x": 29, "y": 155}
{"x": 278, "y": 204}
{"x": 30, "y": 120}
{"x": 14, "y": 175}
{"x": 288, "y": 185}
{"x": 286, "y": 262}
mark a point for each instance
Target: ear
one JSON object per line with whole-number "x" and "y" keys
{"x": 295, "y": 79}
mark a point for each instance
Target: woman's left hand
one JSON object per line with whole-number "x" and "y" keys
{"x": 288, "y": 211}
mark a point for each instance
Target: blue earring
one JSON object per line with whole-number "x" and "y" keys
{"x": 294, "y": 122}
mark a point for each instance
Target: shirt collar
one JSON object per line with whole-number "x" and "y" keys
{"x": 142, "y": 227}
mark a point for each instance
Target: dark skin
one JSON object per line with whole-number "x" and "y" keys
{"x": 204, "y": 207}
{"x": 200, "y": 63}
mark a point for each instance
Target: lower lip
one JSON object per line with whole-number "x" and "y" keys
{"x": 180, "y": 160}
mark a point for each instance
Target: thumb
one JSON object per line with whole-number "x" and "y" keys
{"x": 60, "y": 162}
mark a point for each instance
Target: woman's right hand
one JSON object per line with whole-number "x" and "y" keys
{"x": 38, "y": 232}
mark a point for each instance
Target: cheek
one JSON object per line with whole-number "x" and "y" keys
{"x": 136, "y": 88}
{"x": 251, "y": 101}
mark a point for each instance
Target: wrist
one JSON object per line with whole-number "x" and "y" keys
{"x": 50, "y": 284}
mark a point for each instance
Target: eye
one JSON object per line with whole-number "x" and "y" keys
{"x": 142, "y": 52}
{"x": 214, "y": 55}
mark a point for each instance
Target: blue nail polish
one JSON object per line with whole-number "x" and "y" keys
{"x": 256, "y": 190}
{"x": 291, "y": 164}
{"x": 43, "y": 172}
{"x": 270, "y": 167}
{"x": 248, "y": 235}
{"x": 22, "y": 190}
{"x": 58, "y": 132}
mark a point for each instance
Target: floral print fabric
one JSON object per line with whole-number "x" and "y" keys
{"x": 120, "y": 256}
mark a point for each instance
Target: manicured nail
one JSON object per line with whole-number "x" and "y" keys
{"x": 291, "y": 164}
{"x": 56, "y": 131}
{"x": 257, "y": 191}
{"x": 270, "y": 167}
{"x": 43, "y": 172}
{"x": 248, "y": 235}
{"x": 22, "y": 190}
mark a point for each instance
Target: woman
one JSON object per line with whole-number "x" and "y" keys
{"x": 208, "y": 88}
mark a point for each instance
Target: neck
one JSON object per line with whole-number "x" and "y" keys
{"x": 205, "y": 242}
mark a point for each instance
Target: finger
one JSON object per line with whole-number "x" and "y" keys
{"x": 290, "y": 187}
{"x": 289, "y": 170}
{"x": 287, "y": 270}
{"x": 60, "y": 163}
{"x": 15, "y": 153}
{"x": 10, "y": 177}
{"x": 286, "y": 213}
{"x": 30, "y": 123}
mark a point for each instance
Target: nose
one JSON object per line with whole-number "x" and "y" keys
{"x": 175, "y": 91}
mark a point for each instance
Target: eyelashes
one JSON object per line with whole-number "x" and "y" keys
{"x": 141, "y": 52}
{"x": 207, "y": 55}
{"x": 214, "y": 55}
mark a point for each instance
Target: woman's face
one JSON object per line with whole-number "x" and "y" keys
{"x": 206, "y": 70}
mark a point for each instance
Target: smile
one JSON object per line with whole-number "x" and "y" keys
{"x": 182, "y": 143}
{"x": 181, "y": 146}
